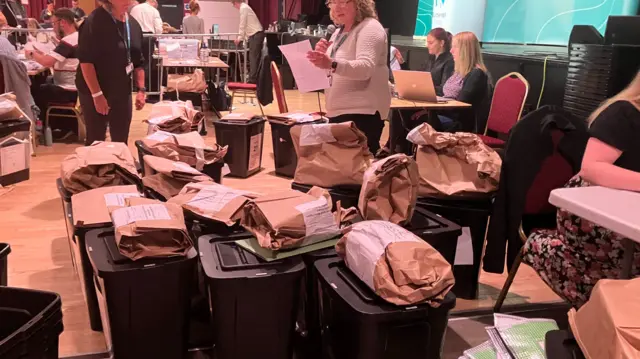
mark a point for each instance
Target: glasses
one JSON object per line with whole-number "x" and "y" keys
{"x": 333, "y": 3}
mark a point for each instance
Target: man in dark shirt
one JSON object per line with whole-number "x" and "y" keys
{"x": 77, "y": 11}
{"x": 64, "y": 61}
{"x": 47, "y": 13}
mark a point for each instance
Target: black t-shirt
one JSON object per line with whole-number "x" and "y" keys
{"x": 78, "y": 13}
{"x": 441, "y": 68}
{"x": 102, "y": 43}
{"x": 619, "y": 126}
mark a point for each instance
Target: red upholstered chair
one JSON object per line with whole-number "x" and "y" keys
{"x": 70, "y": 110}
{"x": 554, "y": 173}
{"x": 278, "y": 88}
{"x": 509, "y": 96}
{"x": 245, "y": 89}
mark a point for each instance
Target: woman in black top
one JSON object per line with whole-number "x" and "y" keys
{"x": 110, "y": 53}
{"x": 572, "y": 260}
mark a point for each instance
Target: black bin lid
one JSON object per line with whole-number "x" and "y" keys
{"x": 254, "y": 121}
{"x": 335, "y": 274}
{"x": 224, "y": 259}
{"x": 425, "y": 222}
{"x": 106, "y": 258}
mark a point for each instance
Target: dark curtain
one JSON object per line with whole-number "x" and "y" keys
{"x": 266, "y": 10}
{"x": 311, "y": 7}
{"x": 36, "y": 7}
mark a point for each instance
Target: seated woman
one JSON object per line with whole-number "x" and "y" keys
{"x": 440, "y": 65}
{"x": 572, "y": 260}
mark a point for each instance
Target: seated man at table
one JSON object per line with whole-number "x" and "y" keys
{"x": 573, "y": 259}
{"x": 64, "y": 62}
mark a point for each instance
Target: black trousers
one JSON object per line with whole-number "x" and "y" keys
{"x": 118, "y": 119}
{"x": 255, "y": 55}
{"x": 370, "y": 125}
{"x": 48, "y": 93}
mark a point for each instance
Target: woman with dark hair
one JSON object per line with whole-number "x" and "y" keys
{"x": 440, "y": 62}
{"x": 110, "y": 53}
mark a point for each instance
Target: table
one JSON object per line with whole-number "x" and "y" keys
{"x": 610, "y": 208}
{"x": 212, "y": 63}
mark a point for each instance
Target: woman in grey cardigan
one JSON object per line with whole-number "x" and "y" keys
{"x": 192, "y": 24}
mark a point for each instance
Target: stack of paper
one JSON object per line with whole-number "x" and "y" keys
{"x": 513, "y": 337}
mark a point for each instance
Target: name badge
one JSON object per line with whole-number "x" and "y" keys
{"x": 129, "y": 69}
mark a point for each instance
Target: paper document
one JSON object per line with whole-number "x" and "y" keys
{"x": 308, "y": 77}
{"x": 464, "y": 249}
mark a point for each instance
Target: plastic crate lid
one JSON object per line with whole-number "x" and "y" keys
{"x": 254, "y": 121}
{"x": 425, "y": 222}
{"x": 106, "y": 258}
{"x": 225, "y": 260}
{"x": 335, "y": 274}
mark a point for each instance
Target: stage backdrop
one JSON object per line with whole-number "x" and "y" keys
{"x": 522, "y": 21}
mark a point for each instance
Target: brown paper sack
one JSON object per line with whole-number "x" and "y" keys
{"x": 92, "y": 207}
{"x": 9, "y": 109}
{"x": 451, "y": 163}
{"x": 291, "y": 118}
{"x": 169, "y": 177}
{"x": 608, "y": 325}
{"x": 213, "y": 201}
{"x": 330, "y": 154}
{"x": 174, "y": 117}
{"x": 291, "y": 219}
{"x": 146, "y": 228}
{"x": 397, "y": 265}
{"x": 390, "y": 190}
{"x": 100, "y": 165}
{"x": 189, "y": 148}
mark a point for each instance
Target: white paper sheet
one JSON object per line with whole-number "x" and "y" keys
{"x": 118, "y": 199}
{"x": 214, "y": 198}
{"x": 159, "y": 136}
{"x": 14, "y": 158}
{"x": 308, "y": 77}
{"x": 300, "y": 117}
{"x": 124, "y": 216}
{"x": 255, "y": 151}
{"x": 464, "y": 249}
{"x": 318, "y": 220}
{"x": 311, "y": 135}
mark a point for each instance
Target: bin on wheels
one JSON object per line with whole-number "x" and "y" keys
{"x": 245, "y": 141}
{"x": 19, "y": 129}
{"x": 145, "y": 304}
{"x": 357, "y": 324}
{"x": 253, "y": 303}
{"x": 30, "y": 325}
{"x": 470, "y": 211}
{"x": 347, "y": 195}
{"x": 5, "y": 249}
{"x": 284, "y": 154}
{"x": 213, "y": 170}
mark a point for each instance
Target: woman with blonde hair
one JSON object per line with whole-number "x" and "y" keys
{"x": 192, "y": 24}
{"x": 572, "y": 260}
{"x": 356, "y": 61}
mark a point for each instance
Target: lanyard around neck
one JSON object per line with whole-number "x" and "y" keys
{"x": 343, "y": 37}
{"x": 127, "y": 40}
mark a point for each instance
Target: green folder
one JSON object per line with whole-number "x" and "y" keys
{"x": 268, "y": 255}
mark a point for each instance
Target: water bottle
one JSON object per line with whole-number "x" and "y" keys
{"x": 48, "y": 137}
{"x": 204, "y": 52}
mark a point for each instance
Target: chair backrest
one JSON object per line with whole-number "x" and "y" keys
{"x": 509, "y": 96}
{"x": 278, "y": 88}
{"x": 555, "y": 172}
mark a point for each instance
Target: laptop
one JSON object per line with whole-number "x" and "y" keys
{"x": 416, "y": 86}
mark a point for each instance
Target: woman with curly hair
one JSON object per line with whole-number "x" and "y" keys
{"x": 356, "y": 60}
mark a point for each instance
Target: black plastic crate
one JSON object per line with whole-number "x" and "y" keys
{"x": 357, "y": 324}
{"x": 347, "y": 195}
{"x": 253, "y": 303}
{"x": 439, "y": 232}
{"x": 473, "y": 211}
{"x": 5, "y": 249}
{"x": 31, "y": 323}
{"x": 213, "y": 170}
{"x": 145, "y": 304}
{"x": 560, "y": 344}
{"x": 284, "y": 154}
{"x": 245, "y": 141}
{"x": 11, "y": 128}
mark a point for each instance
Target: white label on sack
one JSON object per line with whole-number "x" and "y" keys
{"x": 214, "y": 198}
{"x": 185, "y": 168}
{"x": 14, "y": 158}
{"x": 464, "y": 249}
{"x": 300, "y": 117}
{"x": 160, "y": 119}
{"x": 415, "y": 137}
{"x": 318, "y": 219}
{"x": 118, "y": 199}
{"x": 311, "y": 135}
{"x": 159, "y": 136}
{"x": 124, "y": 216}
{"x": 255, "y": 151}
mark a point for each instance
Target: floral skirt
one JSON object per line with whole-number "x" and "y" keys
{"x": 578, "y": 254}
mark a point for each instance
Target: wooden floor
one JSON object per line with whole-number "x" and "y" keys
{"x": 32, "y": 222}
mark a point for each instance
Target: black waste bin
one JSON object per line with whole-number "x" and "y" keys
{"x": 30, "y": 325}
{"x": 245, "y": 141}
{"x": 213, "y": 170}
{"x": 284, "y": 154}
{"x": 347, "y": 195}
{"x": 472, "y": 211}
{"x": 14, "y": 128}
{"x": 5, "y": 249}
{"x": 145, "y": 304}
{"x": 560, "y": 344}
{"x": 439, "y": 232}
{"x": 357, "y": 324}
{"x": 253, "y": 303}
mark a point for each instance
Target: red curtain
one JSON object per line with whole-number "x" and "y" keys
{"x": 311, "y": 7}
{"x": 36, "y": 6}
{"x": 266, "y": 10}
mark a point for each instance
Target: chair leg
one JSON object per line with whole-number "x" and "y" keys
{"x": 508, "y": 282}
{"x": 82, "y": 128}
{"x": 233, "y": 95}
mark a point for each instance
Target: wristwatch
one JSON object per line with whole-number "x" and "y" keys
{"x": 142, "y": 89}
{"x": 334, "y": 66}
